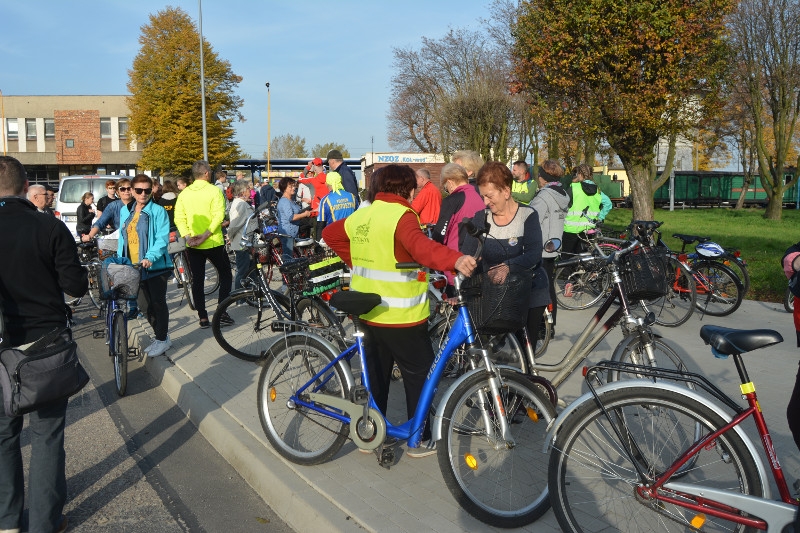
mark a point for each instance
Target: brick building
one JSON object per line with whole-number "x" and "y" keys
{"x": 57, "y": 136}
{"x": 371, "y": 162}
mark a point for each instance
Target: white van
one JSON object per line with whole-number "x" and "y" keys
{"x": 70, "y": 191}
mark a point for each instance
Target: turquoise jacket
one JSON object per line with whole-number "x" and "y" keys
{"x": 153, "y": 230}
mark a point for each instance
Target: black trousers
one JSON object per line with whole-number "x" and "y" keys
{"x": 197, "y": 264}
{"x": 410, "y": 347}
{"x": 154, "y": 292}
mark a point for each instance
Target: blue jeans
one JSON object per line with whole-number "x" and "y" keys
{"x": 47, "y": 483}
{"x": 287, "y": 249}
{"x": 244, "y": 262}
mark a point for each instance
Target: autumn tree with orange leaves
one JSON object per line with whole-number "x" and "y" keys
{"x": 643, "y": 70}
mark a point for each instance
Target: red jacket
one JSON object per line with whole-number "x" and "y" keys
{"x": 427, "y": 203}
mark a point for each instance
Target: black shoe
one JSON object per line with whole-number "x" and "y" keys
{"x": 225, "y": 319}
{"x": 204, "y": 323}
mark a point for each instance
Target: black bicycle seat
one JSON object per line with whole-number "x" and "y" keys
{"x": 355, "y": 303}
{"x": 689, "y": 239}
{"x": 738, "y": 341}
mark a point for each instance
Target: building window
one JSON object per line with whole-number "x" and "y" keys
{"x": 49, "y": 128}
{"x": 69, "y": 143}
{"x": 123, "y": 127}
{"x": 105, "y": 128}
{"x": 12, "y": 129}
{"x": 30, "y": 129}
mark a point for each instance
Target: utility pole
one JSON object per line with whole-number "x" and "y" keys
{"x": 203, "y": 84}
{"x": 268, "y": 135}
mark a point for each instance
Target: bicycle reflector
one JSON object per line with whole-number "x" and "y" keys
{"x": 710, "y": 249}
{"x": 471, "y": 461}
{"x": 440, "y": 283}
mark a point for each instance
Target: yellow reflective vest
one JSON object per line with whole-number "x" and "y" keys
{"x": 403, "y": 292}
{"x": 575, "y": 222}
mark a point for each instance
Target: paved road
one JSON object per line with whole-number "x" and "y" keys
{"x": 138, "y": 464}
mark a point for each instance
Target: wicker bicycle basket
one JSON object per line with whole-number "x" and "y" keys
{"x": 499, "y": 307}
{"x": 119, "y": 279}
{"x": 644, "y": 273}
{"x": 314, "y": 274}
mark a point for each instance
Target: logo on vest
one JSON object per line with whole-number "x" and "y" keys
{"x": 362, "y": 233}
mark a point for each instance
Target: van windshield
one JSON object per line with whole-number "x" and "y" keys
{"x": 71, "y": 191}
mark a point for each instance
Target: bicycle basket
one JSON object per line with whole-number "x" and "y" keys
{"x": 176, "y": 243}
{"x": 499, "y": 307}
{"x": 314, "y": 274}
{"x": 644, "y": 274}
{"x": 119, "y": 279}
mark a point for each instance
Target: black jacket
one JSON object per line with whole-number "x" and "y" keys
{"x": 40, "y": 264}
{"x": 85, "y": 217}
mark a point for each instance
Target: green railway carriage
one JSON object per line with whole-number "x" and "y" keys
{"x": 712, "y": 188}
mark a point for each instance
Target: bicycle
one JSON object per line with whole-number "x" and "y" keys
{"x": 118, "y": 288}
{"x": 183, "y": 274}
{"x": 654, "y": 455}
{"x": 708, "y": 250}
{"x": 490, "y": 420}
{"x": 89, "y": 259}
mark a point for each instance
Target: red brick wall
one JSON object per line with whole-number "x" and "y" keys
{"x": 83, "y": 127}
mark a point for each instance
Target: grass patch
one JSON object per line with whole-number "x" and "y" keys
{"x": 762, "y": 242}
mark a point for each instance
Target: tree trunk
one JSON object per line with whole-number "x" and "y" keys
{"x": 641, "y": 183}
{"x": 775, "y": 206}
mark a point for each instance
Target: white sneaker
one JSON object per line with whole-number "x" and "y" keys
{"x": 425, "y": 449}
{"x": 159, "y": 347}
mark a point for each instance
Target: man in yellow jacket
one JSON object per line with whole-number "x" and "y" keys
{"x": 199, "y": 213}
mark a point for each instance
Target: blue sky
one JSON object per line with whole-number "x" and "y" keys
{"x": 328, "y": 63}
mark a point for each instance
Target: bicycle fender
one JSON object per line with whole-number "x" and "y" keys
{"x": 436, "y": 423}
{"x": 347, "y": 371}
{"x": 555, "y": 425}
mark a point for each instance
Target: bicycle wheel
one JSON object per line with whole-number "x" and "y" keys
{"x": 184, "y": 275}
{"x": 94, "y": 286}
{"x": 318, "y": 314}
{"x": 739, "y": 268}
{"x": 545, "y": 334}
{"x": 118, "y": 346}
{"x": 498, "y": 483}
{"x": 211, "y": 280}
{"x": 250, "y": 335}
{"x": 719, "y": 291}
{"x": 593, "y": 480}
{"x": 299, "y": 434}
{"x": 632, "y": 349}
{"x": 788, "y": 301}
{"x": 675, "y": 308}
{"x": 581, "y": 286}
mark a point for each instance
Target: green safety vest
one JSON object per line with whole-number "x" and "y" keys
{"x": 575, "y": 222}
{"x": 403, "y": 292}
{"x": 523, "y": 192}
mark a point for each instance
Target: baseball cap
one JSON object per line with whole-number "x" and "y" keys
{"x": 317, "y": 161}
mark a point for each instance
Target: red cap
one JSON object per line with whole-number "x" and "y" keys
{"x": 317, "y": 161}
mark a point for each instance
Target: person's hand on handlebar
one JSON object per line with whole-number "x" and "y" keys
{"x": 146, "y": 263}
{"x": 466, "y": 264}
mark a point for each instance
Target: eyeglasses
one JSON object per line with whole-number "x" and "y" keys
{"x": 111, "y": 188}
{"x": 124, "y": 189}
{"x": 137, "y": 190}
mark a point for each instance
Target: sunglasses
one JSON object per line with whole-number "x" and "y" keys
{"x": 124, "y": 189}
{"x": 137, "y": 190}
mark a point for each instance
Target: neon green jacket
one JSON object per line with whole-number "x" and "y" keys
{"x": 201, "y": 207}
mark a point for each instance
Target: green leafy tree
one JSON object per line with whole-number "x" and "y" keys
{"x": 288, "y": 146}
{"x": 634, "y": 71}
{"x": 165, "y": 103}
{"x": 321, "y": 150}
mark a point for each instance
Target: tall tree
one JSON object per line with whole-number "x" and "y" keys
{"x": 165, "y": 103}
{"x": 321, "y": 150}
{"x": 766, "y": 41}
{"x": 288, "y": 146}
{"x": 642, "y": 70}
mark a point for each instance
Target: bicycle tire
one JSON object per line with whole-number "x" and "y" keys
{"x": 719, "y": 291}
{"x": 499, "y": 484}
{"x": 788, "y": 301}
{"x": 592, "y": 480}
{"x": 586, "y": 284}
{"x": 740, "y": 269}
{"x": 545, "y": 335}
{"x": 118, "y": 346}
{"x": 678, "y": 305}
{"x": 94, "y": 287}
{"x": 300, "y": 435}
{"x": 319, "y": 314}
{"x": 250, "y": 335}
{"x": 211, "y": 280}
{"x": 184, "y": 276}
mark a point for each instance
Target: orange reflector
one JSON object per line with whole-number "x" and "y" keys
{"x": 584, "y": 371}
{"x": 471, "y": 461}
{"x": 272, "y": 394}
{"x": 532, "y": 414}
{"x": 698, "y": 521}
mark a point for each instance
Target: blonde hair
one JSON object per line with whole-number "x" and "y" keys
{"x": 470, "y": 160}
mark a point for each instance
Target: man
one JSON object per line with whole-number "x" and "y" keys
{"x": 428, "y": 200}
{"x": 584, "y": 196}
{"x": 472, "y": 163}
{"x": 32, "y": 298}
{"x": 110, "y": 217}
{"x": 51, "y": 198}
{"x": 524, "y": 188}
{"x": 317, "y": 181}
{"x": 349, "y": 181}
{"x": 37, "y": 195}
{"x": 550, "y": 203}
{"x": 222, "y": 180}
{"x": 199, "y": 213}
{"x": 337, "y": 204}
{"x": 111, "y": 195}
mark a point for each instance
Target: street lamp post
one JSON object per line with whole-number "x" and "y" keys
{"x": 268, "y": 134}
{"x": 3, "y": 122}
{"x": 203, "y": 84}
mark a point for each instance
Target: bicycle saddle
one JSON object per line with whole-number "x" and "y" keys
{"x": 355, "y": 303}
{"x": 689, "y": 239}
{"x": 729, "y": 341}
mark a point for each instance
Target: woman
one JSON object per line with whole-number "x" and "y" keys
{"x": 372, "y": 241}
{"x": 144, "y": 234}
{"x": 85, "y": 215}
{"x": 289, "y": 214}
{"x": 181, "y": 183}
{"x": 239, "y": 213}
{"x": 168, "y": 198}
{"x": 514, "y": 239}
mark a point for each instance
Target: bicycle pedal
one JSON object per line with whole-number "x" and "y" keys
{"x": 359, "y": 395}
{"x": 98, "y": 333}
{"x": 133, "y": 352}
{"x": 386, "y": 457}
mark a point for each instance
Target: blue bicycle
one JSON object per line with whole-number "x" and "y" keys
{"x": 492, "y": 420}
